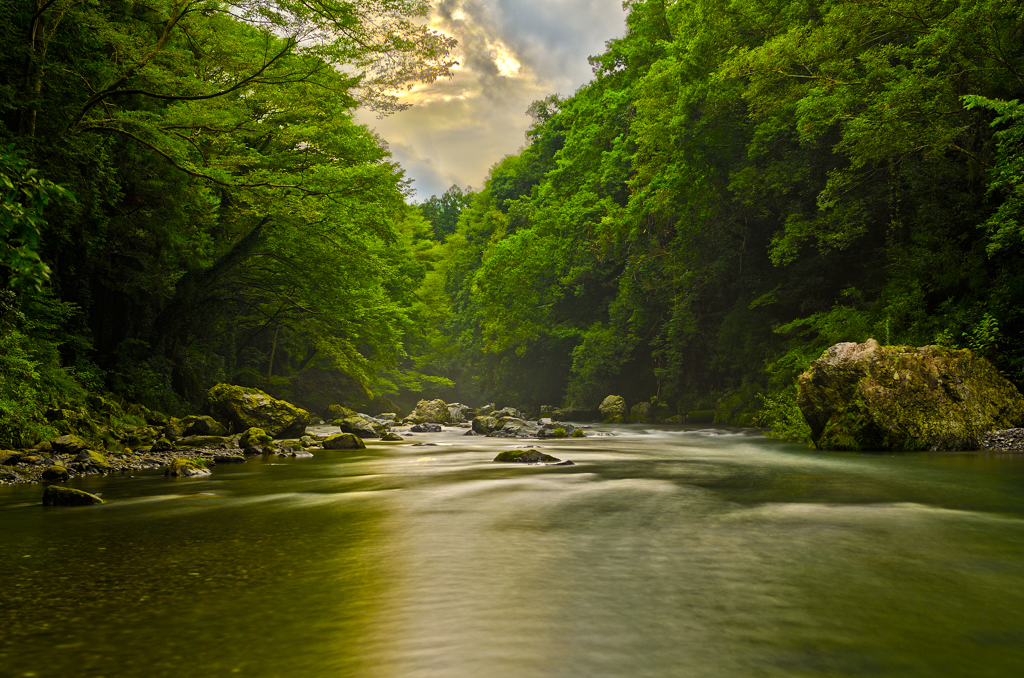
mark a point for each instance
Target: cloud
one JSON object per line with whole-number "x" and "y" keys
{"x": 511, "y": 53}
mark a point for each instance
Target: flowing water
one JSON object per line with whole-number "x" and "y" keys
{"x": 660, "y": 553}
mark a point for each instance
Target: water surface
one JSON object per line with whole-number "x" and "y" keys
{"x": 660, "y": 553}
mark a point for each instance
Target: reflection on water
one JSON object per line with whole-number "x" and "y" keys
{"x": 661, "y": 553}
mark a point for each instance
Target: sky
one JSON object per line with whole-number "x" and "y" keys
{"x": 510, "y": 53}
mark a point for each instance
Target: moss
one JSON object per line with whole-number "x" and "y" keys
{"x": 54, "y": 495}
{"x": 559, "y": 432}
{"x": 578, "y": 433}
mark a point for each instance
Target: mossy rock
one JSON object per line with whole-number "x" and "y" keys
{"x": 578, "y": 433}
{"x": 359, "y": 427}
{"x": 484, "y": 424}
{"x": 870, "y": 397}
{"x": 344, "y": 441}
{"x": 525, "y": 457}
{"x": 55, "y": 495}
{"x": 243, "y": 408}
{"x": 430, "y": 412}
{"x": 186, "y": 468}
{"x": 58, "y": 473}
{"x": 253, "y": 436}
{"x": 68, "y": 444}
{"x": 174, "y": 429}
{"x": 93, "y": 459}
{"x": 613, "y": 409}
{"x": 641, "y": 412}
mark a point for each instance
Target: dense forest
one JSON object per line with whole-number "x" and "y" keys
{"x": 187, "y": 201}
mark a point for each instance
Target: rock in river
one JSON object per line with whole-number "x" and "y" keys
{"x": 872, "y": 397}
{"x": 613, "y": 409}
{"x": 244, "y": 408}
{"x": 54, "y": 495}
{"x": 532, "y": 456}
{"x": 344, "y": 441}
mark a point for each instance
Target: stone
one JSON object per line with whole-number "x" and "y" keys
{"x": 56, "y": 473}
{"x": 471, "y": 432}
{"x": 229, "y": 459}
{"x": 174, "y": 429}
{"x": 392, "y": 437}
{"x": 430, "y": 412}
{"x": 507, "y": 412}
{"x": 613, "y": 409}
{"x": 94, "y": 460}
{"x": 10, "y": 458}
{"x": 484, "y": 424}
{"x": 485, "y": 410}
{"x": 186, "y": 468}
{"x": 426, "y": 428}
{"x": 531, "y": 456}
{"x": 870, "y": 397}
{"x": 556, "y": 429}
{"x": 202, "y": 425}
{"x": 358, "y": 426}
{"x": 388, "y": 416}
{"x": 344, "y": 441}
{"x": 55, "y": 495}
{"x": 457, "y": 412}
{"x": 69, "y": 444}
{"x": 641, "y": 412}
{"x": 1005, "y": 440}
{"x": 243, "y": 408}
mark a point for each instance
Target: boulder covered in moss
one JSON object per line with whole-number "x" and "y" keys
{"x": 93, "y": 460}
{"x": 641, "y": 412}
{"x": 344, "y": 441}
{"x": 872, "y": 397}
{"x": 69, "y": 444}
{"x": 358, "y": 426}
{"x": 430, "y": 412}
{"x": 531, "y": 456}
{"x": 613, "y": 409}
{"x": 242, "y": 408}
{"x": 186, "y": 468}
{"x": 484, "y": 424}
{"x": 55, "y": 495}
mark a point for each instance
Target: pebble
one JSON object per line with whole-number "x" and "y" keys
{"x": 1005, "y": 440}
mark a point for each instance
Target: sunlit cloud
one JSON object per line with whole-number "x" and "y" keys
{"x": 511, "y": 53}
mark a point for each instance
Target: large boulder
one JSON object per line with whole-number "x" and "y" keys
{"x": 69, "y": 444}
{"x": 430, "y": 412}
{"x": 613, "y": 409}
{"x": 484, "y": 424}
{"x": 532, "y": 456}
{"x": 870, "y": 397}
{"x": 243, "y": 408}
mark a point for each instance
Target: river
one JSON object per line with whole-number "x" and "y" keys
{"x": 662, "y": 552}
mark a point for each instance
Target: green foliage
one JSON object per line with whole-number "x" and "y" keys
{"x": 24, "y": 197}
{"x": 781, "y": 416}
